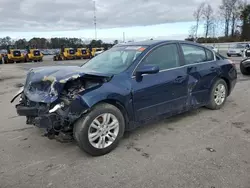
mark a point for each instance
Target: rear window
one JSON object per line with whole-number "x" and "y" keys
{"x": 71, "y": 51}
{"x": 16, "y": 53}
{"x": 210, "y": 55}
{"x": 84, "y": 51}
{"x": 36, "y": 52}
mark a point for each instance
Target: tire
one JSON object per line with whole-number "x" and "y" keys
{"x": 212, "y": 104}
{"x": 83, "y": 126}
{"x": 243, "y": 70}
{"x": 228, "y": 55}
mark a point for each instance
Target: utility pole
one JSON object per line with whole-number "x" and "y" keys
{"x": 95, "y": 20}
{"x": 123, "y": 36}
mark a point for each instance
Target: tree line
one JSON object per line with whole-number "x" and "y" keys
{"x": 232, "y": 17}
{"x": 53, "y": 43}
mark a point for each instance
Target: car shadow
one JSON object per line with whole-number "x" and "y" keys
{"x": 157, "y": 122}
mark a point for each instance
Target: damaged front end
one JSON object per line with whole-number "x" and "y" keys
{"x": 52, "y": 98}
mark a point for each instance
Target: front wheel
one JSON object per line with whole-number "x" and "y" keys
{"x": 100, "y": 130}
{"x": 218, "y": 95}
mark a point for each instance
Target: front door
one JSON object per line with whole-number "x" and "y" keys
{"x": 165, "y": 91}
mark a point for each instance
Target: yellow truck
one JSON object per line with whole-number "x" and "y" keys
{"x": 33, "y": 54}
{"x": 82, "y": 53}
{"x": 65, "y": 54}
{"x": 12, "y": 56}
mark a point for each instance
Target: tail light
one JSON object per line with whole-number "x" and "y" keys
{"x": 230, "y": 61}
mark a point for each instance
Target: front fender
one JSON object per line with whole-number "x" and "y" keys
{"x": 246, "y": 62}
{"x": 112, "y": 93}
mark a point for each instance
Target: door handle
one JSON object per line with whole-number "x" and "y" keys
{"x": 179, "y": 79}
{"x": 212, "y": 68}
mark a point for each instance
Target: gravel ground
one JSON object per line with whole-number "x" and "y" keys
{"x": 202, "y": 148}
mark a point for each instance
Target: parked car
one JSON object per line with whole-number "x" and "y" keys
{"x": 98, "y": 52}
{"x": 121, "y": 88}
{"x": 236, "y": 50}
{"x": 213, "y": 48}
{"x": 245, "y": 66}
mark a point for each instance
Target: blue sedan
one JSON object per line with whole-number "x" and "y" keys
{"x": 121, "y": 88}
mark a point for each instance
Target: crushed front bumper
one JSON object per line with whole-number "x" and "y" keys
{"x": 36, "y": 113}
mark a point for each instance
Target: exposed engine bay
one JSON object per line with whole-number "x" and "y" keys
{"x": 66, "y": 106}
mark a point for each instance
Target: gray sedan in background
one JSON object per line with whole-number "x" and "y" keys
{"x": 236, "y": 50}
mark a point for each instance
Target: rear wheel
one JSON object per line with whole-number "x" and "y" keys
{"x": 100, "y": 130}
{"x": 228, "y": 55}
{"x": 218, "y": 95}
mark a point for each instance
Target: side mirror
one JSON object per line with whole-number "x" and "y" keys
{"x": 147, "y": 69}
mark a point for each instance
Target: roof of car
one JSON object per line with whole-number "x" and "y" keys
{"x": 152, "y": 42}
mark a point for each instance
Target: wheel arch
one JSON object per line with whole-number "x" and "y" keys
{"x": 119, "y": 105}
{"x": 223, "y": 78}
{"x": 228, "y": 84}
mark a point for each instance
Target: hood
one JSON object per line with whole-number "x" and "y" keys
{"x": 44, "y": 84}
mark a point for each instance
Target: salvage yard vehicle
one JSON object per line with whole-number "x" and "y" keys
{"x": 13, "y": 56}
{"x": 245, "y": 66}
{"x": 65, "y": 54}
{"x": 33, "y": 54}
{"x": 121, "y": 88}
{"x": 245, "y": 63}
{"x": 82, "y": 53}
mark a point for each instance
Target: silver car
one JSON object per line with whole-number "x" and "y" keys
{"x": 236, "y": 50}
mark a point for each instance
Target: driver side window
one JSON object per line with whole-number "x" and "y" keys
{"x": 166, "y": 57}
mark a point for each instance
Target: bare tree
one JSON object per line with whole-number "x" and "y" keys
{"x": 236, "y": 12}
{"x": 229, "y": 11}
{"x": 207, "y": 14}
{"x": 198, "y": 15}
{"x": 192, "y": 32}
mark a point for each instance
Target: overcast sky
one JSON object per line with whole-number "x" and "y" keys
{"x": 48, "y": 18}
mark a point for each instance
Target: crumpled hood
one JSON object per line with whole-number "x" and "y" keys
{"x": 44, "y": 84}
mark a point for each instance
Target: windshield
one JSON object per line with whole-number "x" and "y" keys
{"x": 239, "y": 46}
{"x": 114, "y": 60}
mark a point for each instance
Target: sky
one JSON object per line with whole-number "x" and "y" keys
{"x": 138, "y": 19}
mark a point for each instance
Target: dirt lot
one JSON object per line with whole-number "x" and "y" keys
{"x": 203, "y": 148}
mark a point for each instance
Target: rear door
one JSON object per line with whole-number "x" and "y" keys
{"x": 165, "y": 91}
{"x": 202, "y": 70}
